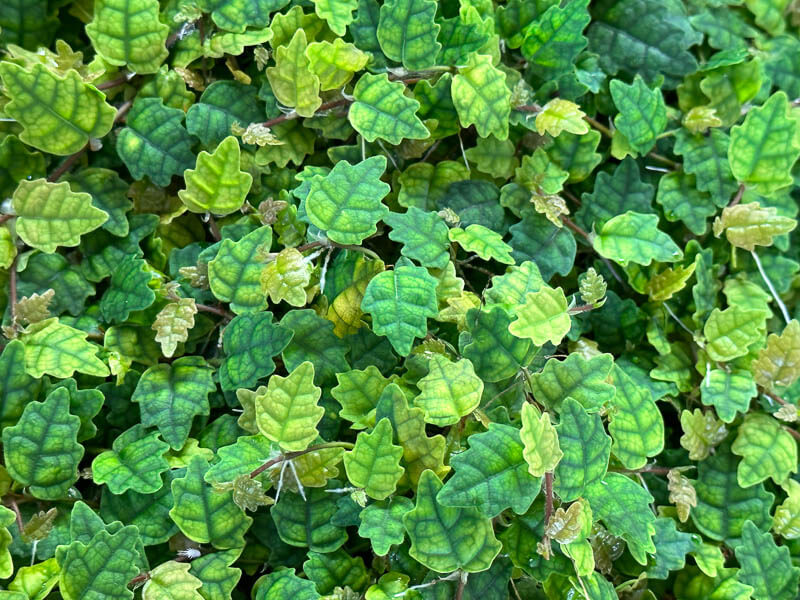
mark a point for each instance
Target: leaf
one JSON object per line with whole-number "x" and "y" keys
{"x": 765, "y": 565}
{"x": 484, "y": 242}
{"x": 382, "y": 111}
{"x": 204, "y": 515}
{"x": 306, "y": 523}
{"x": 217, "y": 185}
{"x": 460, "y": 36}
{"x": 59, "y": 115}
{"x": 681, "y": 200}
{"x": 382, "y": 523}
{"x": 171, "y": 395}
{"x": 59, "y": 350}
{"x": 728, "y": 393}
{"x": 108, "y": 192}
{"x": 493, "y": 156}
{"x": 155, "y": 143}
{"x": 286, "y": 278}
{"x": 41, "y": 451}
{"x": 423, "y": 235}
{"x": 749, "y": 225}
{"x": 251, "y": 341}
{"x": 173, "y": 323}
{"x": 542, "y": 451}
{"x": 236, "y": 15}
{"x": 374, "y": 462}
{"x": 400, "y": 301}
{"x": 752, "y": 158}
{"x": 291, "y": 79}
{"x": 482, "y": 98}
{"x": 172, "y": 580}
{"x": 314, "y": 341}
{"x": 17, "y": 388}
{"x": 491, "y": 475}
{"x": 49, "y": 215}
{"x": 495, "y": 353}
{"x": 128, "y": 291}
{"x": 215, "y": 572}
{"x": 681, "y": 493}
{"x": 346, "y": 203}
{"x": 407, "y": 32}
{"x": 575, "y": 377}
{"x": 335, "y": 571}
{"x": 729, "y": 332}
{"x": 561, "y": 115}
{"x": 337, "y": 13}
{"x": 100, "y": 567}
{"x": 126, "y": 33}
{"x": 222, "y": 104}
{"x": 444, "y": 538}
{"x": 283, "y": 583}
{"x": 543, "y": 317}
{"x": 766, "y": 450}
{"x": 586, "y": 448}
{"x": 635, "y": 237}
{"x": 707, "y": 159}
{"x": 701, "y": 432}
{"x": 235, "y": 275}
{"x": 778, "y": 363}
{"x": 642, "y": 113}
{"x": 449, "y": 391}
{"x": 135, "y": 462}
{"x": 671, "y": 549}
{"x": 553, "y": 41}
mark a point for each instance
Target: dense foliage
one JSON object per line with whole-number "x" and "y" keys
{"x": 345, "y": 299}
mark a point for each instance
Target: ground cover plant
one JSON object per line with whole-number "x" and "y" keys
{"x": 409, "y": 299}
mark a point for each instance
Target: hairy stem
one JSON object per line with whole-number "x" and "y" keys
{"x": 291, "y": 455}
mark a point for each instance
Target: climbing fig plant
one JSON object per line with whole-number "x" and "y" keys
{"x": 372, "y": 299}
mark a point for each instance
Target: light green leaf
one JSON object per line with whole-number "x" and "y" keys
{"x": 283, "y": 583}
{"x": 407, "y": 32}
{"x": 335, "y": 63}
{"x": 41, "y": 451}
{"x": 750, "y": 225}
{"x": 767, "y": 450}
{"x": 374, "y": 463}
{"x": 423, "y": 235}
{"x": 382, "y": 110}
{"x": 543, "y": 317}
{"x": 286, "y": 277}
{"x": 358, "y": 392}
{"x": 236, "y": 15}
{"x": 561, "y": 115}
{"x": 727, "y": 392}
{"x": 235, "y": 274}
{"x": 586, "y": 448}
{"x": 484, "y": 242}
{"x": 205, "y": 515}
{"x": 635, "y": 423}
{"x": 292, "y": 80}
{"x": 766, "y": 566}
{"x": 135, "y": 462}
{"x": 635, "y": 237}
{"x": 449, "y": 391}
{"x": 306, "y": 522}
{"x": 125, "y": 32}
{"x": 576, "y": 377}
{"x": 493, "y": 351}
{"x": 216, "y": 184}
{"x": 171, "y": 395}
{"x": 786, "y": 521}
{"x": 382, "y": 523}
{"x": 337, "y": 13}
{"x": 58, "y": 114}
{"x": 172, "y": 580}
{"x": 542, "y": 451}
{"x": 37, "y": 581}
{"x": 642, "y": 113}
{"x": 445, "y": 538}
{"x": 59, "y": 350}
{"x": 128, "y": 290}
{"x": 778, "y": 363}
{"x": 173, "y": 323}
{"x": 553, "y": 41}
{"x": 492, "y": 474}
{"x": 50, "y": 215}
{"x": 481, "y": 97}
{"x": 216, "y": 574}
{"x": 400, "y": 302}
{"x": 730, "y": 332}
{"x": 702, "y": 431}
{"x": 764, "y": 148}
{"x": 493, "y": 157}
{"x": 346, "y": 203}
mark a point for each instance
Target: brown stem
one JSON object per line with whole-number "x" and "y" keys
{"x": 122, "y": 111}
{"x": 212, "y": 225}
{"x": 141, "y": 577}
{"x": 462, "y": 583}
{"x": 107, "y": 85}
{"x": 664, "y": 160}
{"x": 293, "y": 115}
{"x": 13, "y": 504}
{"x": 290, "y": 455}
{"x": 548, "y": 497}
{"x": 215, "y": 310}
{"x": 795, "y": 434}
{"x": 648, "y": 469}
{"x": 571, "y": 224}
{"x": 599, "y": 126}
{"x": 738, "y": 197}
{"x": 582, "y": 308}
{"x": 12, "y": 290}
{"x": 310, "y": 246}
{"x": 531, "y": 108}
{"x": 65, "y": 166}
{"x": 4, "y": 218}
{"x": 777, "y": 398}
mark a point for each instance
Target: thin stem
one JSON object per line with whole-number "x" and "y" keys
{"x": 776, "y": 398}
{"x": 4, "y": 218}
{"x": 462, "y": 583}
{"x": 664, "y": 160}
{"x": 571, "y": 224}
{"x": 677, "y": 320}
{"x": 140, "y": 578}
{"x": 655, "y": 470}
{"x": 107, "y": 85}
{"x": 531, "y": 108}
{"x": 212, "y": 225}
{"x": 582, "y": 308}
{"x": 12, "y": 290}
{"x": 65, "y": 166}
{"x": 548, "y": 497}
{"x": 599, "y": 126}
{"x": 772, "y": 290}
{"x": 738, "y": 197}
{"x": 291, "y": 455}
{"x": 214, "y": 310}
{"x": 123, "y": 110}
{"x": 795, "y": 434}
{"x": 15, "y": 508}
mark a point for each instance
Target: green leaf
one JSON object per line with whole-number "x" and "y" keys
{"x": 337, "y": 13}
{"x": 731, "y": 331}
{"x": 335, "y": 571}
{"x": 423, "y": 235}
{"x": 681, "y": 200}
{"x": 251, "y": 342}
{"x": 17, "y": 388}
{"x": 749, "y": 225}
{"x": 100, "y": 567}
{"x": 128, "y": 291}
{"x": 314, "y": 341}
{"x": 148, "y": 512}
{"x": 135, "y": 462}
{"x": 217, "y": 185}
{"x": 306, "y": 523}
{"x": 37, "y": 581}
{"x": 49, "y": 215}
{"x": 382, "y": 111}
{"x": 493, "y": 156}
{"x": 553, "y": 41}
{"x": 495, "y": 353}
{"x": 382, "y": 523}
{"x": 706, "y": 157}
{"x": 449, "y": 391}
{"x": 722, "y": 505}
{"x": 460, "y": 37}
{"x": 537, "y": 240}
{"x": 577, "y": 378}
{"x": 484, "y": 242}
{"x": 481, "y": 97}
{"x": 636, "y": 424}
{"x": 126, "y": 33}
{"x": 671, "y": 548}
{"x": 778, "y": 363}
{"x": 41, "y": 451}
{"x": 642, "y": 113}
{"x": 172, "y": 581}
{"x": 283, "y": 583}
{"x": 785, "y": 521}
{"x": 236, "y": 15}
{"x": 109, "y": 194}
{"x": 215, "y": 572}
{"x": 58, "y": 114}
{"x": 586, "y": 448}
{"x": 346, "y": 203}
{"x": 173, "y": 323}
{"x": 542, "y": 451}
{"x": 205, "y": 515}
{"x": 155, "y": 143}
{"x": 374, "y": 462}
{"x": 635, "y": 237}
{"x": 400, "y": 302}
{"x": 491, "y": 475}
{"x": 222, "y": 104}
{"x": 286, "y": 277}
{"x": 727, "y": 392}
{"x": 561, "y": 115}
{"x": 445, "y": 538}
{"x": 766, "y": 566}
{"x": 27, "y": 23}
{"x": 335, "y": 63}
{"x": 235, "y": 274}
{"x": 59, "y": 350}
{"x": 293, "y": 82}
{"x": 542, "y": 317}
{"x": 767, "y": 450}
{"x": 358, "y": 392}
{"x": 407, "y": 32}
{"x": 171, "y": 395}
{"x": 764, "y": 147}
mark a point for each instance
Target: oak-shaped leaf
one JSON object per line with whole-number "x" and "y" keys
{"x": 635, "y": 238}
{"x": 407, "y": 32}
{"x": 728, "y": 392}
{"x": 293, "y": 82}
{"x": 484, "y": 242}
{"x": 382, "y": 523}
{"x": 306, "y": 522}
{"x": 635, "y": 424}
{"x": 449, "y": 391}
{"x": 541, "y": 449}
{"x": 172, "y": 324}
{"x": 543, "y": 317}
{"x": 335, "y": 63}
{"x": 495, "y": 353}
{"x": 217, "y": 575}
{"x": 423, "y": 235}
{"x": 481, "y": 97}
{"x": 284, "y": 583}
{"x": 382, "y": 111}
{"x": 235, "y": 275}
{"x": 135, "y": 462}
{"x": 553, "y": 41}
{"x": 374, "y": 463}
{"x": 750, "y": 225}
{"x": 172, "y": 580}
{"x": 128, "y": 291}
{"x": 251, "y": 341}
{"x": 767, "y": 451}
{"x": 642, "y": 113}
{"x": 765, "y": 566}
{"x": 778, "y": 363}
{"x": 730, "y": 332}
{"x": 577, "y": 378}
{"x": 59, "y": 350}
